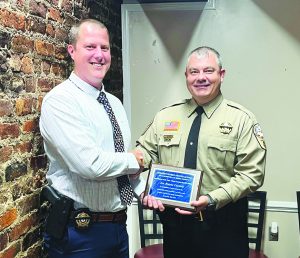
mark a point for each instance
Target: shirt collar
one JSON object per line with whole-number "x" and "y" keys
{"x": 84, "y": 86}
{"x": 209, "y": 108}
{"x": 213, "y": 105}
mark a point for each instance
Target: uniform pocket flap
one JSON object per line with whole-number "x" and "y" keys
{"x": 222, "y": 144}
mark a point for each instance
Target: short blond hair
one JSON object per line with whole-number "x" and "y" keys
{"x": 74, "y": 31}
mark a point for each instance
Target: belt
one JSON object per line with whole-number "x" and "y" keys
{"x": 82, "y": 214}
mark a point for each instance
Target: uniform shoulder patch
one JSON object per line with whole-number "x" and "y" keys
{"x": 171, "y": 125}
{"x": 259, "y": 136}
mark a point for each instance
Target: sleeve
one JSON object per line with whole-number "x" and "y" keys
{"x": 70, "y": 143}
{"x": 249, "y": 168}
{"x": 148, "y": 144}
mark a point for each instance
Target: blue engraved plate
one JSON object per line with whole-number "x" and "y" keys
{"x": 171, "y": 185}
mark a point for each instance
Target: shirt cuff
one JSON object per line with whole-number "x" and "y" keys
{"x": 133, "y": 166}
{"x": 221, "y": 197}
{"x": 138, "y": 185}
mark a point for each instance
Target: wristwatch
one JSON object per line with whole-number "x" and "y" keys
{"x": 211, "y": 206}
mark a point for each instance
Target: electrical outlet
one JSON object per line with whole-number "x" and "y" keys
{"x": 273, "y": 232}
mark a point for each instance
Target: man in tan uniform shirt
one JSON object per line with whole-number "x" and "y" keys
{"x": 231, "y": 153}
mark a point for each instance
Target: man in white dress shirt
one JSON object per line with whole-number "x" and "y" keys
{"x": 83, "y": 163}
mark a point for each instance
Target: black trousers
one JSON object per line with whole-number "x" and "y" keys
{"x": 222, "y": 234}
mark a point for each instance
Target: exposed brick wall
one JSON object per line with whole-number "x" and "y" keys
{"x": 33, "y": 59}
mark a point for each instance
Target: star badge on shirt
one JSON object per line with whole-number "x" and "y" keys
{"x": 225, "y": 128}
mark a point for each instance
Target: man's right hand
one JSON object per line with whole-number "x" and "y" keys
{"x": 140, "y": 159}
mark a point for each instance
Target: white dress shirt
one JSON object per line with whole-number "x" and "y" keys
{"x": 78, "y": 140}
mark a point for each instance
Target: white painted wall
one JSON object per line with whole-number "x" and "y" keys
{"x": 259, "y": 41}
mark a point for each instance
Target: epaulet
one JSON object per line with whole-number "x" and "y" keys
{"x": 176, "y": 104}
{"x": 241, "y": 108}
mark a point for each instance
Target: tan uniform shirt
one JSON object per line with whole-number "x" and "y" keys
{"x": 231, "y": 148}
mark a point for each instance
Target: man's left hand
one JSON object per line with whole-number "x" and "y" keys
{"x": 150, "y": 202}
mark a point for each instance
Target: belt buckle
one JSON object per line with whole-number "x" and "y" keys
{"x": 82, "y": 219}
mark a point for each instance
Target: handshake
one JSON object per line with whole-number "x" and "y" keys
{"x": 140, "y": 159}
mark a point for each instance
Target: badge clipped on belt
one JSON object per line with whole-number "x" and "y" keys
{"x": 82, "y": 219}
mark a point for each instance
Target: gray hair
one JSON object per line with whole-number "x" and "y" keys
{"x": 74, "y": 31}
{"x": 204, "y": 52}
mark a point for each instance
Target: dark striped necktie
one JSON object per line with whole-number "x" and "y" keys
{"x": 190, "y": 158}
{"x": 125, "y": 189}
